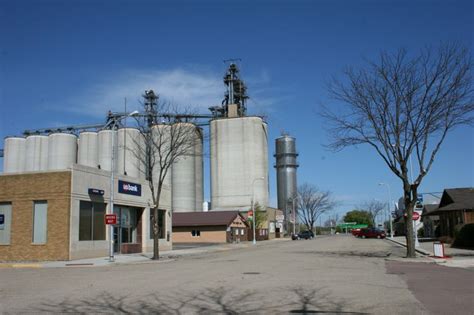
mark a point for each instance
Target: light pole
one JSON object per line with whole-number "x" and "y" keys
{"x": 389, "y": 203}
{"x": 112, "y": 181}
{"x": 253, "y": 207}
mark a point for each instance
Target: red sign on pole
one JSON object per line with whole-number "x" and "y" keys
{"x": 416, "y": 216}
{"x": 111, "y": 219}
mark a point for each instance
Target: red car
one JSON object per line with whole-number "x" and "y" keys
{"x": 371, "y": 232}
{"x": 355, "y": 232}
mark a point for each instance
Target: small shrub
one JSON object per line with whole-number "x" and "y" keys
{"x": 465, "y": 236}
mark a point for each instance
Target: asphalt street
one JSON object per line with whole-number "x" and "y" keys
{"x": 331, "y": 274}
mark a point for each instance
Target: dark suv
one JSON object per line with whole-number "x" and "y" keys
{"x": 305, "y": 234}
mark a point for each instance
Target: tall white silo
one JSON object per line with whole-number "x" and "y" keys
{"x": 160, "y": 146}
{"x": 130, "y": 147}
{"x": 14, "y": 155}
{"x": 199, "y": 171}
{"x": 104, "y": 156}
{"x": 239, "y": 162}
{"x": 36, "y": 153}
{"x": 88, "y": 149}
{"x": 62, "y": 151}
{"x": 187, "y": 171}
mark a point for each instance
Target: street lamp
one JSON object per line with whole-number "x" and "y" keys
{"x": 389, "y": 203}
{"x": 253, "y": 207}
{"x": 112, "y": 180}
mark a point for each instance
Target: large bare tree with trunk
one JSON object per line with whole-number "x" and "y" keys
{"x": 166, "y": 136}
{"x": 404, "y": 106}
{"x": 312, "y": 203}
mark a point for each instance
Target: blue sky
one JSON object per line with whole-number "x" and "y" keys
{"x": 68, "y": 62}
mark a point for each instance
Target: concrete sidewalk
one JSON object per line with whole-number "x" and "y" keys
{"x": 462, "y": 258}
{"x": 140, "y": 258}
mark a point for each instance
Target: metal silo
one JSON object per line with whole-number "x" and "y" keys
{"x": 104, "y": 156}
{"x": 88, "y": 149}
{"x": 286, "y": 166}
{"x": 62, "y": 150}
{"x": 239, "y": 162}
{"x": 129, "y": 145}
{"x": 36, "y": 153}
{"x": 14, "y": 155}
{"x": 187, "y": 172}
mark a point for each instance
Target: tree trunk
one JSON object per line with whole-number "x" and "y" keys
{"x": 156, "y": 235}
{"x": 409, "y": 199}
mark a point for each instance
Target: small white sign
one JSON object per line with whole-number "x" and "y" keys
{"x": 438, "y": 249}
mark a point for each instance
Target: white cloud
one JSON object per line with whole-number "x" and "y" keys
{"x": 181, "y": 87}
{"x": 190, "y": 87}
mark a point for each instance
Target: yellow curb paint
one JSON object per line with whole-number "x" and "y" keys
{"x": 26, "y": 265}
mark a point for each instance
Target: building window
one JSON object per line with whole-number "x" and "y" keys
{"x": 40, "y": 222}
{"x": 196, "y": 233}
{"x": 5, "y": 223}
{"x": 91, "y": 221}
{"x": 161, "y": 223}
{"x": 241, "y": 231}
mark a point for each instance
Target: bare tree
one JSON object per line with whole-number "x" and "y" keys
{"x": 404, "y": 106}
{"x": 374, "y": 207}
{"x": 166, "y": 136}
{"x": 312, "y": 203}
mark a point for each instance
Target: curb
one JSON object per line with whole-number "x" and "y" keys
{"x": 419, "y": 250}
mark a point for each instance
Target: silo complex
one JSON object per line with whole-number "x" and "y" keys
{"x": 239, "y": 162}
{"x": 14, "y": 154}
{"x": 286, "y": 166}
{"x": 129, "y": 144}
{"x": 187, "y": 172}
{"x": 62, "y": 149}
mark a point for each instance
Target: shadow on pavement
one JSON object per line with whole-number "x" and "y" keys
{"x": 219, "y": 300}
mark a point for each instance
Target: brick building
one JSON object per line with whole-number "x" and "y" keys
{"x": 59, "y": 215}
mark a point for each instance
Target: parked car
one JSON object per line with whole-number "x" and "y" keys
{"x": 305, "y": 235}
{"x": 371, "y": 232}
{"x": 355, "y": 232}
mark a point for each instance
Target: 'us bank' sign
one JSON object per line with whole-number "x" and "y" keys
{"x": 129, "y": 188}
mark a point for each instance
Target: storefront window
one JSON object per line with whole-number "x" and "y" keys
{"x": 91, "y": 221}
{"x": 40, "y": 222}
{"x": 128, "y": 224}
{"x": 5, "y": 222}
{"x": 161, "y": 223}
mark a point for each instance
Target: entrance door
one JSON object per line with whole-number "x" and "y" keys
{"x": 127, "y": 233}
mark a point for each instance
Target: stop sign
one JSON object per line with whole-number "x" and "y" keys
{"x": 416, "y": 216}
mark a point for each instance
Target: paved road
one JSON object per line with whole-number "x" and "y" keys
{"x": 333, "y": 274}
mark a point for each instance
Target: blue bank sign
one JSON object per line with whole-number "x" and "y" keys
{"x": 129, "y": 188}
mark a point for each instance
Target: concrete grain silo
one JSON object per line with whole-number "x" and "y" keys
{"x": 286, "y": 166}
{"x": 187, "y": 172}
{"x": 104, "y": 152}
{"x": 36, "y": 153}
{"x": 129, "y": 143}
{"x": 161, "y": 135}
{"x": 62, "y": 150}
{"x": 239, "y": 161}
{"x": 88, "y": 149}
{"x": 14, "y": 155}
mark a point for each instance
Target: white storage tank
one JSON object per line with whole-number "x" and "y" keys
{"x": 62, "y": 150}
{"x": 105, "y": 149}
{"x": 130, "y": 146}
{"x": 36, "y": 153}
{"x": 187, "y": 171}
{"x": 239, "y": 161}
{"x": 14, "y": 154}
{"x": 88, "y": 149}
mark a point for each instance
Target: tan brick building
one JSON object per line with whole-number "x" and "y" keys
{"x": 59, "y": 215}
{"x": 209, "y": 227}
